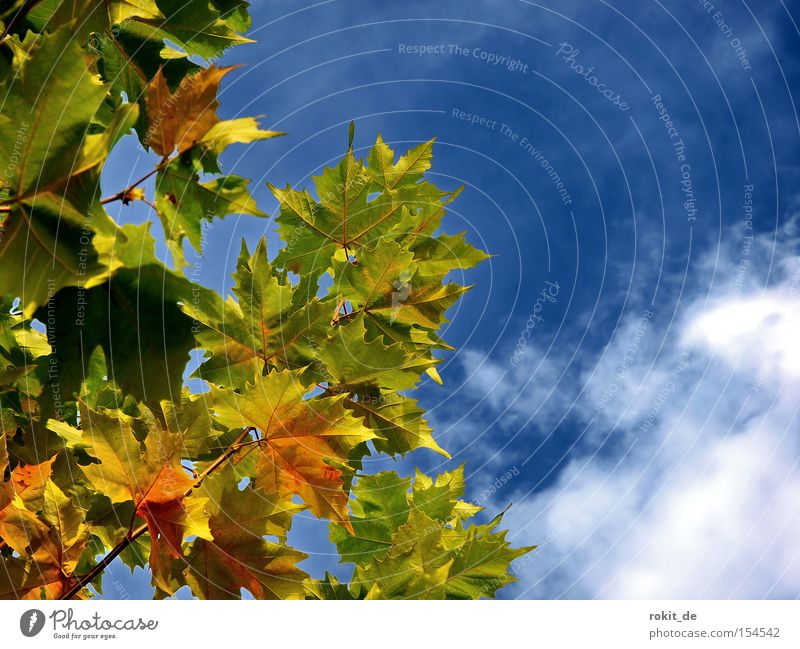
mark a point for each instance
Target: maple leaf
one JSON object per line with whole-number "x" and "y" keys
{"x": 356, "y": 206}
{"x": 328, "y": 588}
{"x": 138, "y": 318}
{"x": 304, "y": 443}
{"x": 387, "y": 283}
{"x": 147, "y": 472}
{"x": 191, "y": 421}
{"x": 28, "y": 483}
{"x": 69, "y": 534}
{"x": 238, "y": 556}
{"x": 437, "y": 253}
{"x": 20, "y": 528}
{"x": 262, "y": 326}
{"x": 195, "y": 25}
{"x": 40, "y": 522}
{"x": 242, "y": 130}
{"x": 398, "y": 422}
{"x": 181, "y": 119}
{"x": 308, "y": 231}
{"x": 382, "y": 505}
{"x": 145, "y": 362}
{"x": 184, "y": 204}
{"x": 51, "y": 183}
{"x": 21, "y": 579}
{"x": 356, "y": 365}
{"x": 416, "y": 566}
{"x": 129, "y": 35}
{"x": 406, "y": 172}
{"x": 412, "y": 544}
{"x": 481, "y": 565}
{"x": 96, "y": 14}
{"x": 53, "y": 115}
{"x": 378, "y": 510}
{"x": 441, "y": 498}
{"x": 20, "y": 498}
{"x": 443, "y": 253}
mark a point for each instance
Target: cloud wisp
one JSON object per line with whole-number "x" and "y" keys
{"x": 685, "y": 478}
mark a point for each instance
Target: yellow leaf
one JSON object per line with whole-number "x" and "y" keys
{"x": 305, "y": 442}
{"x": 431, "y": 371}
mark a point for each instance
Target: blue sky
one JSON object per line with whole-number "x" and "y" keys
{"x": 638, "y": 163}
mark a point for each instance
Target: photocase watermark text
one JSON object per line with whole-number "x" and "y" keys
{"x": 548, "y": 294}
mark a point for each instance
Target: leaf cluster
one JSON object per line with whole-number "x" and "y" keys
{"x": 305, "y": 367}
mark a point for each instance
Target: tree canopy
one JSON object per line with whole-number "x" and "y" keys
{"x": 104, "y": 451}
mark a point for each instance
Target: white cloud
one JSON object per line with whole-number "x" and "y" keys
{"x": 766, "y": 324}
{"x": 694, "y": 494}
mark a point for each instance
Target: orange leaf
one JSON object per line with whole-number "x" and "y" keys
{"x": 182, "y": 118}
{"x": 297, "y": 466}
{"x": 305, "y": 442}
{"x": 28, "y": 481}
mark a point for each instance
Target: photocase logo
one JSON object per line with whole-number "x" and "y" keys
{"x": 31, "y": 622}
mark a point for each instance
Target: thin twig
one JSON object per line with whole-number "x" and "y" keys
{"x": 103, "y": 564}
{"x": 122, "y": 194}
{"x": 336, "y": 314}
{"x": 135, "y": 534}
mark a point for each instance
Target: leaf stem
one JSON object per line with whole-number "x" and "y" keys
{"x": 132, "y": 535}
{"x": 122, "y": 194}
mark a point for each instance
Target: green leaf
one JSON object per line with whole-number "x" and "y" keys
{"x": 70, "y": 534}
{"x": 136, "y": 319}
{"x": 328, "y": 588}
{"x": 387, "y": 284}
{"x": 413, "y": 545}
{"x": 190, "y": 420}
{"x": 262, "y": 327}
{"x": 481, "y": 566}
{"x": 440, "y": 498}
{"x": 379, "y": 509}
{"x": 443, "y": 253}
{"x": 346, "y": 215}
{"x": 356, "y": 365}
{"x": 398, "y": 421}
{"x": 52, "y": 113}
{"x": 242, "y": 131}
{"x": 238, "y": 556}
{"x": 55, "y": 220}
{"x": 186, "y": 206}
{"x": 304, "y": 442}
{"x": 408, "y": 170}
{"x": 193, "y": 25}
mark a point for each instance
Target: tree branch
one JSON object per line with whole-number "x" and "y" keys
{"x": 135, "y": 534}
{"x": 122, "y": 194}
